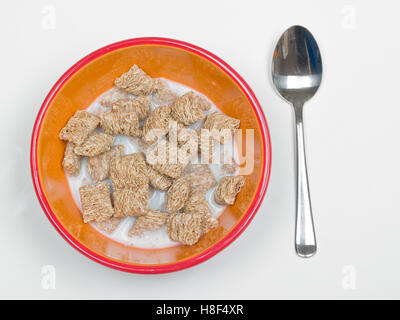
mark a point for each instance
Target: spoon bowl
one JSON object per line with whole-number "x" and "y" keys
{"x": 297, "y": 75}
{"x": 297, "y": 65}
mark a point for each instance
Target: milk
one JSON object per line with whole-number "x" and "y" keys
{"x": 157, "y": 238}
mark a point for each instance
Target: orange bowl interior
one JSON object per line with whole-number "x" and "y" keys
{"x": 96, "y": 77}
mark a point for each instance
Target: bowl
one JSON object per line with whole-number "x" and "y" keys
{"x": 94, "y": 74}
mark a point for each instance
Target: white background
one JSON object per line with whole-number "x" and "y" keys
{"x": 352, "y": 140}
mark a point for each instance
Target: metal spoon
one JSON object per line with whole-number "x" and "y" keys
{"x": 297, "y": 74}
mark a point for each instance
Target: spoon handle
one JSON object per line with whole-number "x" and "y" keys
{"x": 306, "y": 245}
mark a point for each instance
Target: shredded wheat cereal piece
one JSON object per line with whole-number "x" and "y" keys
{"x": 151, "y": 221}
{"x": 223, "y": 124}
{"x": 198, "y": 204}
{"x": 111, "y": 97}
{"x": 230, "y": 168}
{"x": 78, "y": 127}
{"x": 157, "y": 124}
{"x": 135, "y": 81}
{"x": 208, "y": 222}
{"x": 228, "y": 188}
{"x": 200, "y": 178}
{"x": 184, "y": 227}
{"x": 130, "y": 202}
{"x": 95, "y": 143}
{"x": 98, "y": 167}
{"x": 129, "y": 171}
{"x": 139, "y": 142}
{"x": 158, "y": 180}
{"x": 187, "y": 109}
{"x": 71, "y": 162}
{"x": 120, "y": 122}
{"x": 108, "y": 225}
{"x": 168, "y": 159}
{"x": 203, "y": 102}
{"x": 128, "y": 175}
{"x": 96, "y": 202}
{"x": 138, "y": 105}
{"x": 162, "y": 94}
{"x": 177, "y": 194}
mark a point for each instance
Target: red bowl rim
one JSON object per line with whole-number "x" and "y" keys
{"x": 206, "y": 254}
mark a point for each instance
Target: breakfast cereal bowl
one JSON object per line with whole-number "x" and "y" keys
{"x": 82, "y": 84}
